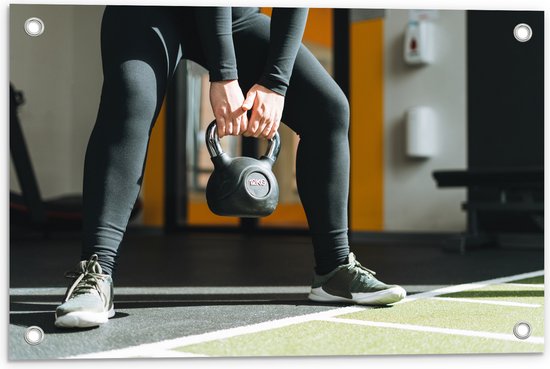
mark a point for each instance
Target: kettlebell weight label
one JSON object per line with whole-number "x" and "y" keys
{"x": 257, "y": 185}
{"x": 257, "y": 182}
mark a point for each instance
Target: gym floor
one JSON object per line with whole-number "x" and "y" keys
{"x": 199, "y": 294}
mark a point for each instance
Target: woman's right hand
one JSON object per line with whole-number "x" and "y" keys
{"x": 226, "y": 98}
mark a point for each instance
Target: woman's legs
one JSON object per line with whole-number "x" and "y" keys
{"x": 316, "y": 109}
{"x": 140, "y": 50}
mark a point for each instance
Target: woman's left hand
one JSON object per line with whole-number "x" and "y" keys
{"x": 267, "y": 110}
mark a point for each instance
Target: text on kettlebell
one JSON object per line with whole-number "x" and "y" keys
{"x": 257, "y": 182}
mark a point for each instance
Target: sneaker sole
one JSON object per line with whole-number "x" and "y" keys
{"x": 384, "y": 297}
{"x": 83, "y": 319}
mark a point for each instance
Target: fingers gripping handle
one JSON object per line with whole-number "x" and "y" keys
{"x": 215, "y": 148}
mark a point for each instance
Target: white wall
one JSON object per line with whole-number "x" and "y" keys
{"x": 60, "y": 75}
{"x": 412, "y": 200}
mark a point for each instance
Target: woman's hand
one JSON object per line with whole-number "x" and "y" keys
{"x": 226, "y": 98}
{"x": 267, "y": 110}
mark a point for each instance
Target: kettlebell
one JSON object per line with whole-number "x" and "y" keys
{"x": 242, "y": 186}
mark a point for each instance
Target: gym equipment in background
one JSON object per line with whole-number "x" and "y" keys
{"x": 242, "y": 187}
{"x": 513, "y": 206}
{"x": 28, "y": 209}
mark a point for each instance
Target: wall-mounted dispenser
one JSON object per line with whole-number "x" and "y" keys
{"x": 419, "y": 43}
{"x": 421, "y": 132}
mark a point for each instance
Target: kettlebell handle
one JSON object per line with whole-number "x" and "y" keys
{"x": 215, "y": 148}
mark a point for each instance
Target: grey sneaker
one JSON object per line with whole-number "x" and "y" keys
{"x": 89, "y": 300}
{"x": 353, "y": 282}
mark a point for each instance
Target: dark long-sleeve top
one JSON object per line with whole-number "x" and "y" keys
{"x": 215, "y": 32}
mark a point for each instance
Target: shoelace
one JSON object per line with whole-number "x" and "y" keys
{"x": 85, "y": 280}
{"x": 359, "y": 269}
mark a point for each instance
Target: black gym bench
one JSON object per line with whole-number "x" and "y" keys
{"x": 503, "y": 193}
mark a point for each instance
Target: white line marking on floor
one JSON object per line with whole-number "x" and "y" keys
{"x": 421, "y": 328}
{"x": 526, "y": 285}
{"x": 211, "y": 290}
{"x": 41, "y": 291}
{"x": 469, "y": 286}
{"x": 489, "y": 302}
{"x": 254, "y": 328}
{"x": 168, "y": 353}
{"x": 151, "y": 348}
{"x": 422, "y": 287}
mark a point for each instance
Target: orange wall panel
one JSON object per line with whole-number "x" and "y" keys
{"x": 318, "y": 28}
{"x": 367, "y": 125}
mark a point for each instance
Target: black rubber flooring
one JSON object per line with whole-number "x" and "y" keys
{"x": 151, "y": 260}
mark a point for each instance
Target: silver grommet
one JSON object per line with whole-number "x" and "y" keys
{"x": 34, "y": 26}
{"x": 34, "y": 335}
{"x": 523, "y": 32}
{"x": 522, "y": 330}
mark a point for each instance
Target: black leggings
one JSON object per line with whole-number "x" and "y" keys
{"x": 141, "y": 48}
